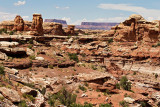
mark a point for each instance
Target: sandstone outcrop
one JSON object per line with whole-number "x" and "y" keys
{"x": 18, "y": 24}
{"x": 8, "y": 25}
{"x": 11, "y": 94}
{"x": 57, "y": 30}
{"x": 70, "y": 30}
{"x": 37, "y": 25}
{"x": 136, "y": 28}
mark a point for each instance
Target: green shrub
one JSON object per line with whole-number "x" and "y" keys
{"x": 86, "y": 84}
{"x": 32, "y": 57}
{"x": 134, "y": 73}
{"x": 80, "y": 105}
{"x": 93, "y": 67}
{"x": 117, "y": 86}
{"x": 158, "y": 104}
{"x": 105, "y": 105}
{"x": 30, "y": 46}
{"x": 11, "y": 32}
{"x": 30, "y": 41}
{"x": 110, "y": 40}
{"x": 22, "y": 104}
{"x": 1, "y": 98}
{"x": 64, "y": 97}
{"x": 3, "y": 30}
{"x": 50, "y": 66}
{"x": 123, "y": 104}
{"x": 143, "y": 104}
{"x": 73, "y": 56}
{"x": 30, "y": 97}
{"x": 43, "y": 91}
{"x": 125, "y": 84}
{"x": 2, "y": 72}
{"x": 82, "y": 88}
{"x": 156, "y": 75}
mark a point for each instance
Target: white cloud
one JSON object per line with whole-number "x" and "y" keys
{"x": 111, "y": 19}
{"x": 145, "y": 12}
{"x": 19, "y": 3}
{"x": 7, "y": 16}
{"x": 63, "y": 8}
{"x": 67, "y": 19}
{"x": 78, "y": 22}
{"x": 25, "y": 17}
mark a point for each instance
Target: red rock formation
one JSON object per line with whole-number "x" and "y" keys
{"x": 7, "y": 25}
{"x": 57, "y": 30}
{"x": 36, "y": 27}
{"x": 70, "y": 30}
{"x": 18, "y": 23}
{"x": 136, "y": 28}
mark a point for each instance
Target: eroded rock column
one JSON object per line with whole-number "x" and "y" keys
{"x": 37, "y": 25}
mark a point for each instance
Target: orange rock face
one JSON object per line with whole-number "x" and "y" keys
{"x": 136, "y": 28}
{"x": 57, "y": 30}
{"x": 70, "y": 30}
{"x": 18, "y": 23}
{"x": 36, "y": 27}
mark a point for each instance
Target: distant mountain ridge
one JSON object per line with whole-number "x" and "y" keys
{"x": 99, "y": 23}
{"x": 96, "y": 25}
{"x": 86, "y": 25}
{"x": 63, "y": 22}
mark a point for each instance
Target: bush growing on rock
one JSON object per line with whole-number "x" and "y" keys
{"x": 105, "y": 105}
{"x": 2, "y": 72}
{"x": 123, "y": 104}
{"x": 32, "y": 57}
{"x": 3, "y": 30}
{"x": 82, "y": 88}
{"x": 30, "y": 97}
{"x": 110, "y": 40}
{"x": 22, "y": 104}
{"x": 65, "y": 98}
{"x": 73, "y": 56}
{"x": 125, "y": 84}
{"x": 79, "y": 105}
{"x": 11, "y": 32}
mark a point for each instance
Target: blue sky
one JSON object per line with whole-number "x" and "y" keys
{"x": 76, "y": 11}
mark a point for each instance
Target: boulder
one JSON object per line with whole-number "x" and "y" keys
{"x": 39, "y": 58}
{"x": 10, "y": 94}
{"x": 3, "y": 56}
{"x": 37, "y": 25}
{"x": 129, "y": 100}
{"x": 29, "y": 52}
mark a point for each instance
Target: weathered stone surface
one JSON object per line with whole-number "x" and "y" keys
{"x": 8, "y": 44}
{"x": 136, "y": 28}
{"x": 39, "y": 99}
{"x": 18, "y": 24}
{"x": 92, "y": 76}
{"x": 10, "y": 94}
{"x": 11, "y": 71}
{"x": 37, "y": 25}
{"x": 57, "y": 30}
{"x": 3, "y": 56}
{"x": 70, "y": 30}
{"x": 129, "y": 100}
{"x": 7, "y": 25}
